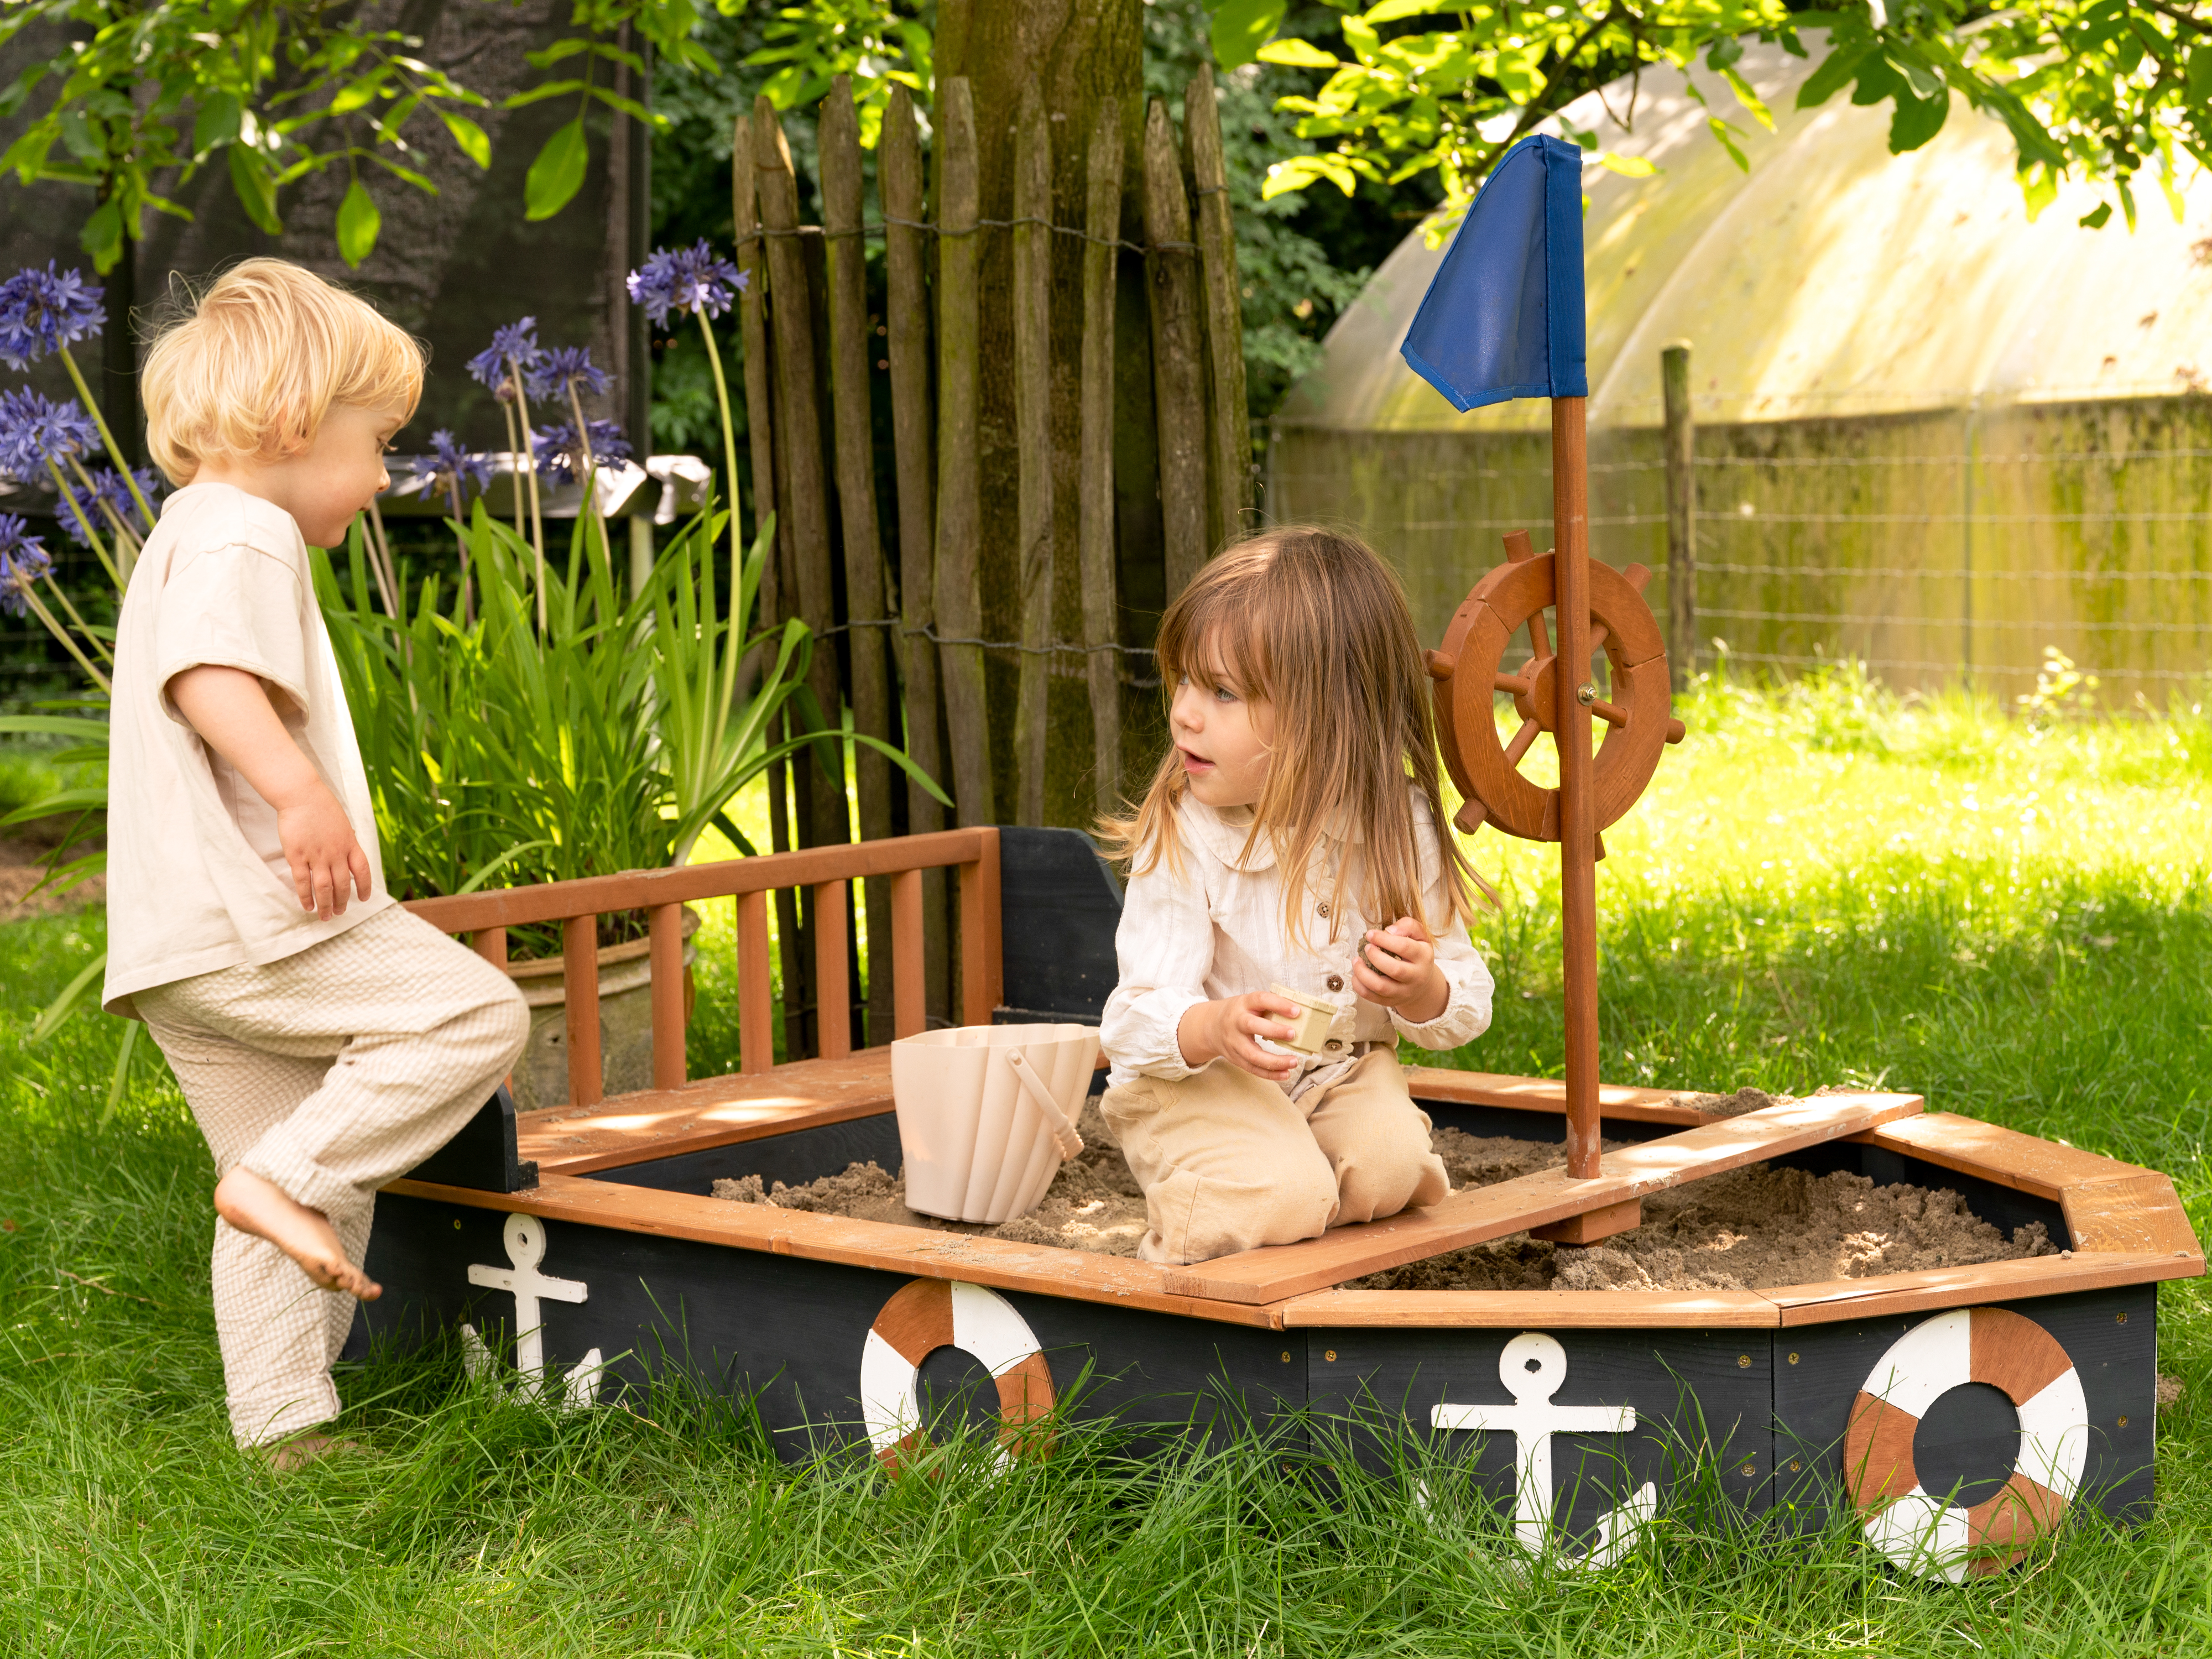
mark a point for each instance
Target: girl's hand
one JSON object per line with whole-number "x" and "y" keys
{"x": 1230, "y": 1029}
{"x": 1397, "y": 969}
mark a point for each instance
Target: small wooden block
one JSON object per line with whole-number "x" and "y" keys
{"x": 1592, "y": 1225}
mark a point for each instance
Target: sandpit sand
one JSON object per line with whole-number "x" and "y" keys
{"x": 1749, "y": 1229}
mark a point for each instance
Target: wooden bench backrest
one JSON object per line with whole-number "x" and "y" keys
{"x": 662, "y": 894}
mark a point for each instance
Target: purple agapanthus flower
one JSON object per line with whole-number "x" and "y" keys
{"x": 516, "y": 343}
{"x": 457, "y": 464}
{"x": 564, "y": 366}
{"x": 36, "y": 429}
{"x": 43, "y": 311}
{"x": 454, "y": 468}
{"x": 683, "y": 279}
{"x": 23, "y": 560}
{"x": 561, "y": 459}
{"x": 108, "y": 490}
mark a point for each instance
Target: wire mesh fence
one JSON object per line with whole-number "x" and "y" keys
{"x": 1956, "y": 547}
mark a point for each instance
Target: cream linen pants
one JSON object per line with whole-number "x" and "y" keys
{"x": 327, "y": 1074}
{"x": 1229, "y": 1163}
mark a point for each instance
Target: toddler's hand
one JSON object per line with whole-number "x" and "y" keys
{"x": 320, "y": 846}
{"x": 1397, "y": 969}
{"x": 1230, "y": 1028}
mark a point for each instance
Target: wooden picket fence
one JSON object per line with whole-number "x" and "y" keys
{"x": 914, "y": 663}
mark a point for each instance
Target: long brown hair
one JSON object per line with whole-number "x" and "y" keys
{"x": 1312, "y": 623}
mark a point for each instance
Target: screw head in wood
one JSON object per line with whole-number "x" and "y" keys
{"x": 1793, "y": 1358}
{"x": 2123, "y": 1422}
{"x": 1586, "y": 695}
{"x": 1330, "y": 1355}
{"x": 1749, "y": 1469}
{"x": 1286, "y": 1356}
{"x": 1794, "y": 1465}
{"x": 2119, "y": 1319}
{"x": 1743, "y": 1362}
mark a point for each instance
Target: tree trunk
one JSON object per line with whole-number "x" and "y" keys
{"x": 1078, "y": 54}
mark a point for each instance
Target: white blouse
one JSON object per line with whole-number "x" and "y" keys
{"x": 1215, "y": 930}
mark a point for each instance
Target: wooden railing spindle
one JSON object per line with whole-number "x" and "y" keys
{"x": 668, "y": 1065}
{"x": 756, "y": 993}
{"x": 491, "y": 943}
{"x": 579, "y": 974}
{"x": 832, "y": 988}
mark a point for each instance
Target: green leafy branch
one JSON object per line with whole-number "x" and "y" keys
{"x": 2095, "y": 91}
{"x": 280, "y": 90}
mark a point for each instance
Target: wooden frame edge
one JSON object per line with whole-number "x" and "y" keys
{"x": 2135, "y": 1212}
{"x": 1827, "y": 1303}
{"x": 1533, "y": 1310}
{"x": 1044, "y": 1270}
{"x": 1502, "y": 1090}
{"x": 1991, "y": 1151}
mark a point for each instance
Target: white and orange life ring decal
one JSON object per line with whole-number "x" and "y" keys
{"x": 1923, "y": 1532}
{"x": 930, "y": 1314}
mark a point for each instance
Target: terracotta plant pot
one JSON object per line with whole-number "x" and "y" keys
{"x": 541, "y": 1076}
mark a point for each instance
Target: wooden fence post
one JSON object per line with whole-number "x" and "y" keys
{"x": 805, "y": 508}
{"x": 1230, "y": 421}
{"x": 1032, "y": 303}
{"x": 1178, "y": 382}
{"x": 867, "y": 644}
{"x": 899, "y": 161}
{"x": 760, "y": 428}
{"x": 1102, "y": 631}
{"x": 1682, "y": 517}
{"x": 760, "y": 419}
{"x": 799, "y": 417}
{"x": 959, "y": 603}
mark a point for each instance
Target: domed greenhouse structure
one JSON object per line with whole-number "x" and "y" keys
{"x": 1930, "y": 432}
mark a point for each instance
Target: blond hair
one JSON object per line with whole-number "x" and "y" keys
{"x": 249, "y": 367}
{"x": 1312, "y": 623}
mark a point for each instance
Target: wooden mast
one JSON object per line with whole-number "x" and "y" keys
{"x": 1577, "y": 819}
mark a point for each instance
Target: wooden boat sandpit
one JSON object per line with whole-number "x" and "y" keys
{"x": 585, "y": 1237}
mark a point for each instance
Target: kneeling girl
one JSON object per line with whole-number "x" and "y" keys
{"x": 1291, "y": 836}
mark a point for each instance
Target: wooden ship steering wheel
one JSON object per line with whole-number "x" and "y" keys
{"x": 1470, "y": 672}
{"x": 1597, "y": 609}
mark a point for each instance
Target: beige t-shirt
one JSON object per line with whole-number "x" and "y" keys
{"x": 196, "y": 879}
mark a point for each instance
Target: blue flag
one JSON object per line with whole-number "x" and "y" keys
{"x": 1504, "y": 317}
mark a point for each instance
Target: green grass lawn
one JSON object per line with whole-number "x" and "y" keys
{"x": 1820, "y": 887}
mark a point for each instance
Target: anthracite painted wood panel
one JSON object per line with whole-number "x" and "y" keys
{"x": 1703, "y": 1402}
{"x": 2111, "y": 1335}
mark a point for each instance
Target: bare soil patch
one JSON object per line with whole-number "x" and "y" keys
{"x": 1748, "y": 1230}
{"x": 22, "y": 867}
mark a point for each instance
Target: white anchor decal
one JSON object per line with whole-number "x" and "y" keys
{"x": 525, "y": 1238}
{"x": 1531, "y": 1367}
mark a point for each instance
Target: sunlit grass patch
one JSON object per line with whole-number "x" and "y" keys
{"x": 1821, "y": 886}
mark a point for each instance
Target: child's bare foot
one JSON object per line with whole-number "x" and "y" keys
{"x": 255, "y": 1205}
{"x": 290, "y": 1457}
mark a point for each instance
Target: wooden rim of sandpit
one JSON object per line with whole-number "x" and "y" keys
{"x": 2125, "y": 1224}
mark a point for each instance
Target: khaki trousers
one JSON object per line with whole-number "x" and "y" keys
{"x": 1229, "y": 1163}
{"x": 327, "y": 1074}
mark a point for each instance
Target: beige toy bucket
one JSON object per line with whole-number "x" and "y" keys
{"x": 985, "y": 1113}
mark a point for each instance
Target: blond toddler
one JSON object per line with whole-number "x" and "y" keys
{"x": 325, "y": 1040}
{"x": 1289, "y": 837}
